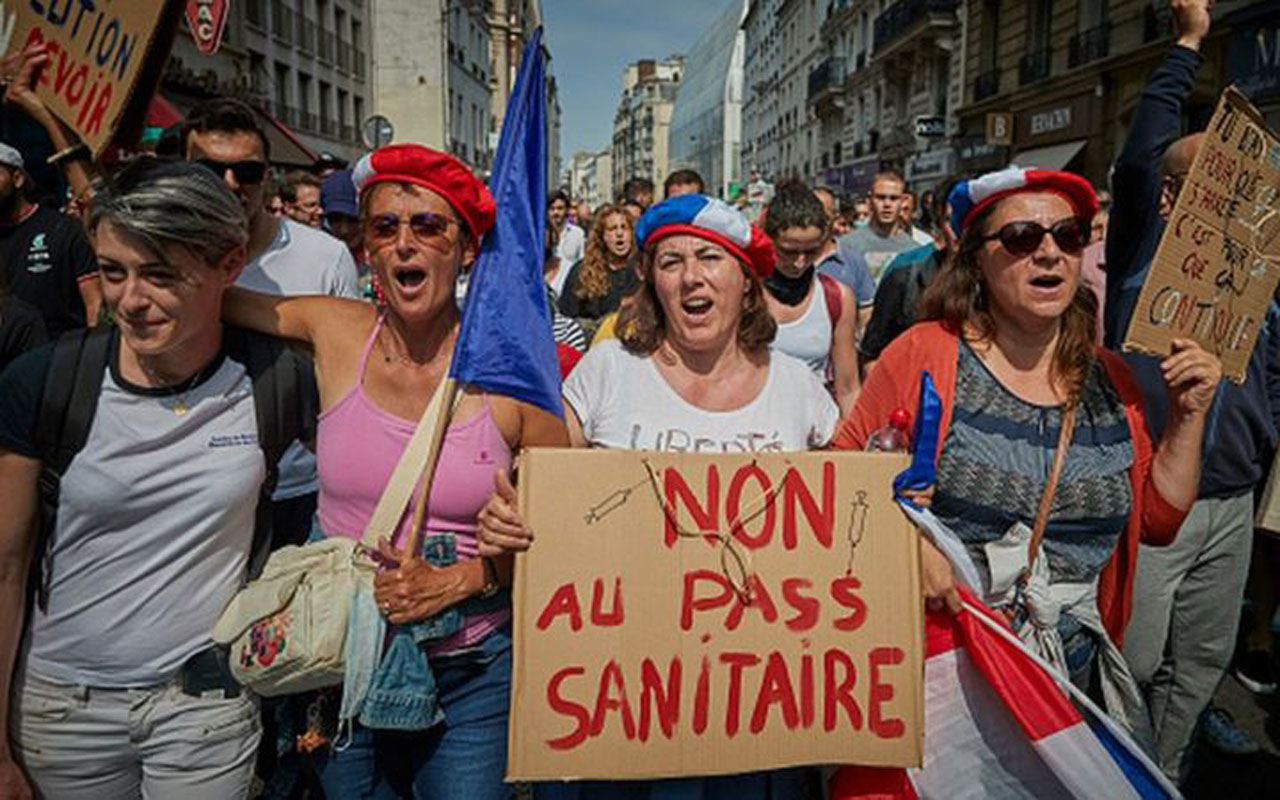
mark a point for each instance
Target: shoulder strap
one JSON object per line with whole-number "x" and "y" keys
{"x": 831, "y": 293}
{"x": 286, "y": 404}
{"x": 68, "y": 403}
{"x": 1051, "y": 485}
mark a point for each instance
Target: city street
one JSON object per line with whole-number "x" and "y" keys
{"x": 1216, "y": 776}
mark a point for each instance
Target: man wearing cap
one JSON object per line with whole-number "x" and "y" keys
{"x": 282, "y": 258}
{"x": 342, "y": 219}
{"x": 47, "y": 259}
{"x": 1187, "y": 596}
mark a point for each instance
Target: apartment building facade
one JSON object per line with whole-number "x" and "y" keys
{"x": 642, "y": 124}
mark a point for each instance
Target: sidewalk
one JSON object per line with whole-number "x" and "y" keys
{"x": 1215, "y": 776}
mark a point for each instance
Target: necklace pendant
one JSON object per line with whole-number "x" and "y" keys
{"x": 181, "y": 408}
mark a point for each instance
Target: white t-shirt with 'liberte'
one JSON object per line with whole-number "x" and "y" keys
{"x": 624, "y": 403}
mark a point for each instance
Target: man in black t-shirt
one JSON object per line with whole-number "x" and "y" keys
{"x": 46, "y": 256}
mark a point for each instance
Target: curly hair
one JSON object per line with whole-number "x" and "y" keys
{"x": 642, "y": 324}
{"x": 593, "y": 275}
{"x": 958, "y": 298}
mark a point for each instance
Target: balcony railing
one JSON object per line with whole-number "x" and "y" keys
{"x": 328, "y": 127}
{"x": 897, "y": 18}
{"x": 987, "y": 84}
{"x": 1034, "y": 66}
{"x": 348, "y": 133}
{"x": 826, "y": 76}
{"x": 1089, "y": 45}
{"x": 307, "y": 121}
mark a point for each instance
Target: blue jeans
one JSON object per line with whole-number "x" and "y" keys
{"x": 464, "y": 757}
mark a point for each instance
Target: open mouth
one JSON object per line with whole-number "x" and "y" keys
{"x": 410, "y": 277}
{"x": 696, "y": 307}
{"x": 1047, "y": 281}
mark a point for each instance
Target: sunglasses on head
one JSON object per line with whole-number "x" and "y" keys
{"x": 246, "y": 172}
{"x": 425, "y": 225}
{"x": 1024, "y": 237}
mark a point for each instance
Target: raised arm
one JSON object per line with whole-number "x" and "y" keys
{"x": 308, "y": 319}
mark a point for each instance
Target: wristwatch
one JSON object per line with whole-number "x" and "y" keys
{"x": 491, "y": 585}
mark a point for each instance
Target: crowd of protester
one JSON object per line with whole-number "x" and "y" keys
{"x": 143, "y": 465}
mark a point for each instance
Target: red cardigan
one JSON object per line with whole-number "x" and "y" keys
{"x": 894, "y": 382}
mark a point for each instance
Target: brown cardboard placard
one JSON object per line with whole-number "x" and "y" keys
{"x": 99, "y": 55}
{"x": 1218, "y": 263}
{"x": 636, "y": 655}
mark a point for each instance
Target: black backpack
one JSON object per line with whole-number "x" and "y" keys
{"x": 285, "y": 399}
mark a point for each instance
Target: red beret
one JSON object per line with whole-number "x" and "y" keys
{"x": 439, "y": 172}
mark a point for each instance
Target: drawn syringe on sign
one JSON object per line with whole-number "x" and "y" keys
{"x": 858, "y": 510}
{"x": 611, "y": 502}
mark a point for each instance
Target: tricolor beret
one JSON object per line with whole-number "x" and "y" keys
{"x": 969, "y": 197}
{"x": 437, "y": 171}
{"x": 710, "y": 219}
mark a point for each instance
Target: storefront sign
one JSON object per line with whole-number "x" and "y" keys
{"x": 694, "y": 614}
{"x": 931, "y": 127}
{"x": 1000, "y": 128}
{"x": 930, "y": 165}
{"x": 207, "y": 19}
{"x": 1067, "y": 119}
{"x": 1218, "y": 263}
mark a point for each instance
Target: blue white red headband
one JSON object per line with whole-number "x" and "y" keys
{"x": 969, "y": 197}
{"x": 710, "y": 219}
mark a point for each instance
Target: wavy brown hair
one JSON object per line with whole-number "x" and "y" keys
{"x": 593, "y": 275}
{"x": 958, "y": 298}
{"x": 642, "y": 324}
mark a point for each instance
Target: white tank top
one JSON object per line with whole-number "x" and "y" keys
{"x": 808, "y": 338}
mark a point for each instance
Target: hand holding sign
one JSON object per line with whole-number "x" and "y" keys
{"x": 501, "y": 528}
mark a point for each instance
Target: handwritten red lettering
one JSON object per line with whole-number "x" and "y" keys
{"x": 881, "y": 693}
{"x": 563, "y": 602}
{"x": 558, "y": 704}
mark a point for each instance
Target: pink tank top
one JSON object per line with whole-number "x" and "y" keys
{"x": 357, "y": 447}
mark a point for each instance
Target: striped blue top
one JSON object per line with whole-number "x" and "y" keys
{"x": 998, "y": 454}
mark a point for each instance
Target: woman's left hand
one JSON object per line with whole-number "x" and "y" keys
{"x": 414, "y": 590}
{"x": 1191, "y": 375}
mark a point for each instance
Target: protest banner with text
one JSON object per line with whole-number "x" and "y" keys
{"x": 714, "y": 614}
{"x": 100, "y": 54}
{"x": 1218, "y": 263}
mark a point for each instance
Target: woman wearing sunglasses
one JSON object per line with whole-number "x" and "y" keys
{"x": 423, "y": 213}
{"x": 1011, "y": 345}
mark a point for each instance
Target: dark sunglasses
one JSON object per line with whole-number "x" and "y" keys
{"x": 246, "y": 172}
{"x": 1023, "y": 238}
{"x": 425, "y": 225}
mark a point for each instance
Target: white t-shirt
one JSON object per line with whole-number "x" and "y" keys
{"x": 624, "y": 403}
{"x": 155, "y": 523}
{"x": 808, "y": 337}
{"x": 301, "y": 260}
{"x": 572, "y": 248}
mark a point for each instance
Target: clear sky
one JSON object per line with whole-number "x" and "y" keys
{"x": 592, "y": 41}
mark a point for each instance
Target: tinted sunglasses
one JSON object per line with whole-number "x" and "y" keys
{"x": 1024, "y": 238}
{"x": 246, "y": 172}
{"x": 426, "y": 225}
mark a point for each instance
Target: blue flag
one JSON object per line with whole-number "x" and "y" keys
{"x": 505, "y": 344}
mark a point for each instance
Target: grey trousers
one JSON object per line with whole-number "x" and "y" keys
{"x": 1186, "y": 610}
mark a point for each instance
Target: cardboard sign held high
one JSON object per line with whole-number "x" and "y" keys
{"x": 100, "y": 55}
{"x": 714, "y": 614}
{"x": 1219, "y": 260}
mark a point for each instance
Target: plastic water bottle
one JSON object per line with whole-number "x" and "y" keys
{"x": 894, "y": 437}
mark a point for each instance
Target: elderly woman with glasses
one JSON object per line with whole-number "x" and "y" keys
{"x": 1010, "y": 343}
{"x": 423, "y": 214}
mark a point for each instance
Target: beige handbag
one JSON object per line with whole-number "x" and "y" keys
{"x": 287, "y": 629}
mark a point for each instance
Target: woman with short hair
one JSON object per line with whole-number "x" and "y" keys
{"x": 120, "y": 692}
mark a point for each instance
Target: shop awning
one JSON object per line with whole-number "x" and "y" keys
{"x": 1055, "y": 156}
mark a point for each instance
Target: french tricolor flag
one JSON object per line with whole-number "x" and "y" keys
{"x": 999, "y": 724}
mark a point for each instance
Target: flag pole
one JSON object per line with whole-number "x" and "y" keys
{"x": 449, "y": 392}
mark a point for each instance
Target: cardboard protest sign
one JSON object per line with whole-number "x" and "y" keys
{"x": 100, "y": 53}
{"x": 1219, "y": 260}
{"x": 713, "y": 614}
